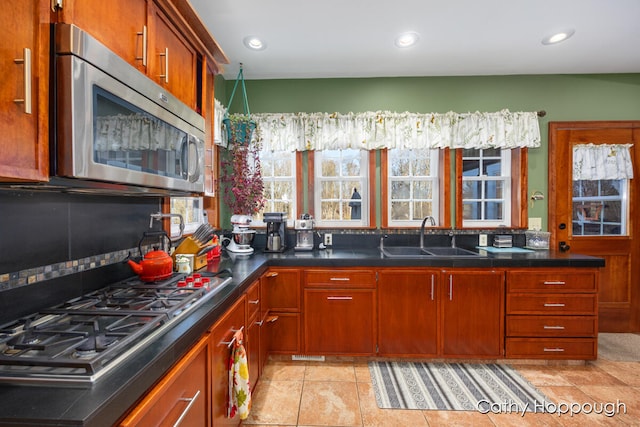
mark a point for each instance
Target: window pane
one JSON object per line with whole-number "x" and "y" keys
{"x": 400, "y": 190}
{"x": 351, "y": 163}
{"x": 400, "y": 211}
{"x": 400, "y": 166}
{"x": 330, "y": 190}
{"x": 493, "y": 211}
{"x": 422, "y": 190}
{"x": 472, "y": 189}
{"x": 491, "y": 152}
{"x": 492, "y": 167}
{"x": 471, "y": 210}
{"x": 493, "y": 190}
{"x": 471, "y": 168}
{"x": 282, "y": 167}
{"x": 330, "y": 210}
{"x": 422, "y": 209}
{"x": 330, "y": 165}
{"x": 422, "y": 166}
{"x": 599, "y": 207}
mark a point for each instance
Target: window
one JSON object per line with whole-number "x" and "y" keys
{"x": 412, "y": 186}
{"x": 341, "y": 182}
{"x": 192, "y": 214}
{"x": 486, "y": 187}
{"x": 600, "y": 207}
{"x": 279, "y": 177}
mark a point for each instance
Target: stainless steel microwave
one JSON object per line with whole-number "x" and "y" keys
{"x": 115, "y": 125}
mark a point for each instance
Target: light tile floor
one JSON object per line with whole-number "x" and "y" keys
{"x": 339, "y": 393}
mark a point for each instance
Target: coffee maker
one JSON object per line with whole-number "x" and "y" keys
{"x": 304, "y": 233}
{"x": 276, "y": 231}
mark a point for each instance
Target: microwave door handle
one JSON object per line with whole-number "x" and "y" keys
{"x": 184, "y": 158}
{"x": 193, "y": 177}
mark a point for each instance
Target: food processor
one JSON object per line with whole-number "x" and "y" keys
{"x": 241, "y": 236}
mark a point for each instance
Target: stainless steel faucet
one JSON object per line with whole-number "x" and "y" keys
{"x": 453, "y": 238}
{"x": 424, "y": 221}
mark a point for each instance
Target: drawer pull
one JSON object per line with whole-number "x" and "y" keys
{"x": 551, "y": 304}
{"x": 255, "y": 301}
{"x": 260, "y": 323}
{"x": 229, "y": 344}
{"x": 339, "y": 279}
{"x": 553, "y": 327}
{"x": 191, "y": 401}
{"x": 26, "y": 75}
{"x": 554, "y": 282}
{"x": 553, "y": 350}
{"x": 272, "y": 274}
{"x": 144, "y": 46}
{"x": 339, "y": 298}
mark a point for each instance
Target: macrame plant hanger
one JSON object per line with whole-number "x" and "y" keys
{"x": 239, "y": 127}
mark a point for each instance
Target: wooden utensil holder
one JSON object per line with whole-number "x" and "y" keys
{"x": 189, "y": 246}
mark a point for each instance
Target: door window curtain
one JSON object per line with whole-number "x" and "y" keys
{"x": 602, "y": 161}
{"x": 377, "y": 130}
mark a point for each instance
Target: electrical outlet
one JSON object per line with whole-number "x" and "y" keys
{"x": 482, "y": 240}
{"x": 328, "y": 239}
{"x": 535, "y": 223}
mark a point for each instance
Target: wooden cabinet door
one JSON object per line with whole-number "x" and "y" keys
{"x": 281, "y": 290}
{"x": 408, "y": 313}
{"x": 172, "y": 60}
{"x": 252, "y": 335}
{"x": 472, "y": 313}
{"x": 24, "y": 66}
{"x": 121, "y": 25}
{"x": 221, "y": 336}
{"x": 283, "y": 333}
{"x": 181, "y": 397}
{"x": 339, "y": 321}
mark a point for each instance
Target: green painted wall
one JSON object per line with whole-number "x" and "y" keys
{"x": 563, "y": 97}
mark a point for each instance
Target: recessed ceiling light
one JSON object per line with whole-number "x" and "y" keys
{"x": 558, "y": 37}
{"x": 254, "y": 43}
{"x": 407, "y": 39}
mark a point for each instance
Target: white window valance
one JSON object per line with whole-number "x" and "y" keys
{"x": 602, "y": 161}
{"x": 219, "y": 137}
{"x": 376, "y": 130}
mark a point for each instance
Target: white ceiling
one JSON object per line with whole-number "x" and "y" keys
{"x": 355, "y": 38}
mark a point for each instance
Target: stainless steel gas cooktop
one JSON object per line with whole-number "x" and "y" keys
{"x": 82, "y": 339}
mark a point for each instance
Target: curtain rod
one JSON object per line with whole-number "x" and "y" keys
{"x": 542, "y": 113}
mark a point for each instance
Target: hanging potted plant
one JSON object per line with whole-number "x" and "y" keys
{"x": 241, "y": 171}
{"x": 239, "y": 127}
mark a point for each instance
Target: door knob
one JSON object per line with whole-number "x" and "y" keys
{"x": 564, "y": 247}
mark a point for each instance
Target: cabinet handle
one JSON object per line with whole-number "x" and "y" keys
{"x": 255, "y": 301}
{"x": 184, "y": 413}
{"x": 432, "y": 286}
{"x": 259, "y": 323}
{"x": 450, "y": 288}
{"x": 165, "y": 76}
{"x": 272, "y": 274}
{"x": 550, "y": 304}
{"x": 26, "y": 74}
{"x": 553, "y": 350}
{"x": 554, "y": 282}
{"x": 340, "y": 298}
{"x": 272, "y": 319}
{"x": 339, "y": 279}
{"x": 144, "y": 46}
{"x": 553, "y": 327}
{"x": 229, "y": 344}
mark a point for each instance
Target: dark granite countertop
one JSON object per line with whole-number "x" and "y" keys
{"x": 105, "y": 401}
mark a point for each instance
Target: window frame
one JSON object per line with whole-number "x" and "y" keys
{"x": 368, "y": 218}
{"x": 443, "y": 191}
{"x": 296, "y": 184}
{"x": 517, "y": 193}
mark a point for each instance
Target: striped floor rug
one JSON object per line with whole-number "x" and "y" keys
{"x": 451, "y": 386}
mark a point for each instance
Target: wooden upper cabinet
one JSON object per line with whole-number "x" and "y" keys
{"x": 119, "y": 24}
{"x": 24, "y": 64}
{"x": 172, "y": 60}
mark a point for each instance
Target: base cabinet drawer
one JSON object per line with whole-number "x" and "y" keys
{"x": 552, "y": 326}
{"x": 551, "y": 348}
{"x": 561, "y": 304}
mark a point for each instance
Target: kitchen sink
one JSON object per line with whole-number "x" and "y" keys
{"x": 427, "y": 252}
{"x": 449, "y": 251}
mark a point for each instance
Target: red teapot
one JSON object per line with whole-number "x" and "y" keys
{"x": 156, "y": 264}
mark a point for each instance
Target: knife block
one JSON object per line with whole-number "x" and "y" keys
{"x": 189, "y": 246}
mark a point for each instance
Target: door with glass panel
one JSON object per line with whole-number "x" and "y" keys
{"x": 593, "y": 208}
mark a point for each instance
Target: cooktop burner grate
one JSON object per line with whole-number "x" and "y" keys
{"x": 81, "y": 339}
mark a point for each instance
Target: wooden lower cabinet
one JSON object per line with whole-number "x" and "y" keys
{"x": 552, "y": 313}
{"x": 221, "y": 336}
{"x": 280, "y": 290}
{"x": 472, "y": 313}
{"x": 339, "y": 307}
{"x": 408, "y": 312}
{"x": 181, "y": 397}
